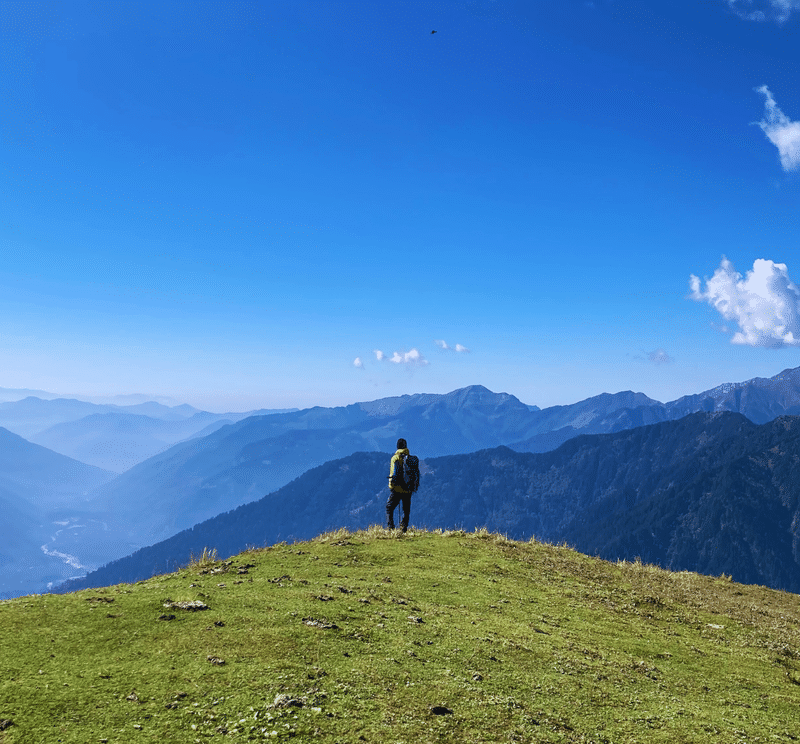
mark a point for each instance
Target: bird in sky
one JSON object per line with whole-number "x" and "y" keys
{"x": 433, "y": 32}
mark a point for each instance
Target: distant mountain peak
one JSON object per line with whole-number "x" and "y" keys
{"x": 466, "y": 395}
{"x": 475, "y": 389}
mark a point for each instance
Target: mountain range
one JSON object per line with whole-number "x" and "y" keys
{"x": 239, "y": 462}
{"x": 109, "y": 436}
{"x": 711, "y": 492}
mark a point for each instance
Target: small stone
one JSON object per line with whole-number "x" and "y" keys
{"x": 287, "y": 701}
{"x": 216, "y": 660}
{"x": 166, "y": 617}
{"x": 440, "y": 710}
{"x": 219, "y": 624}
{"x": 133, "y": 697}
{"x": 477, "y": 677}
{"x": 192, "y": 605}
{"x": 415, "y": 619}
{"x": 322, "y": 624}
{"x": 5, "y": 723}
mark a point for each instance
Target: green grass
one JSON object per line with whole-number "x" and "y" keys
{"x": 522, "y": 642}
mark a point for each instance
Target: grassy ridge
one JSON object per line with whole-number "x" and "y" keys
{"x": 427, "y": 637}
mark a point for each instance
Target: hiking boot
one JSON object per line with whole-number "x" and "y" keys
{"x": 390, "y": 526}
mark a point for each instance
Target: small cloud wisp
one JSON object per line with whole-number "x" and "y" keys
{"x": 765, "y": 303}
{"x": 411, "y": 358}
{"x": 781, "y": 131}
{"x": 659, "y": 356}
{"x": 774, "y": 10}
{"x": 446, "y": 347}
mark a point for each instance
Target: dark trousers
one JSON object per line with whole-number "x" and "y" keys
{"x": 395, "y": 497}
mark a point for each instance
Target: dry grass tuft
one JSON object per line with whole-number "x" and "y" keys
{"x": 333, "y": 536}
{"x": 205, "y": 559}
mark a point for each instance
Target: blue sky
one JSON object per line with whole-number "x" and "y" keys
{"x": 238, "y": 204}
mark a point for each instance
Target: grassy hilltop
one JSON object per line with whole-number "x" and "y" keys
{"x": 426, "y": 637}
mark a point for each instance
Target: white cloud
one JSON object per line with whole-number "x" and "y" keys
{"x": 765, "y": 304}
{"x": 763, "y": 10}
{"x": 659, "y": 356}
{"x": 458, "y": 347}
{"x": 358, "y": 363}
{"x": 409, "y": 357}
{"x": 781, "y": 131}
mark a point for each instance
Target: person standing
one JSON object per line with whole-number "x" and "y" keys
{"x": 399, "y": 490}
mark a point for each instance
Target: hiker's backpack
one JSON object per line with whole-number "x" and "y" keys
{"x": 396, "y": 481}
{"x": 411, "y": 472}
{"x": 406, "y": 474}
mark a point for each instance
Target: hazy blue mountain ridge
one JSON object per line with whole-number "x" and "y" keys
{"x": 10, "y": 395}
{"x": 118, "y": 441}
{"x": 760, "y": 399}
{"x": 32, "y": 415}
{"x": 583, "y": 414}
{"x": 110, "y": 436}
{"x": 43, "y": 477}
{"x": 607, "y": 417}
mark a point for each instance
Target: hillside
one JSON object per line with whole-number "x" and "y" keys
{"x": 427, "y": 637}
{"x": 711, "y": 492}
